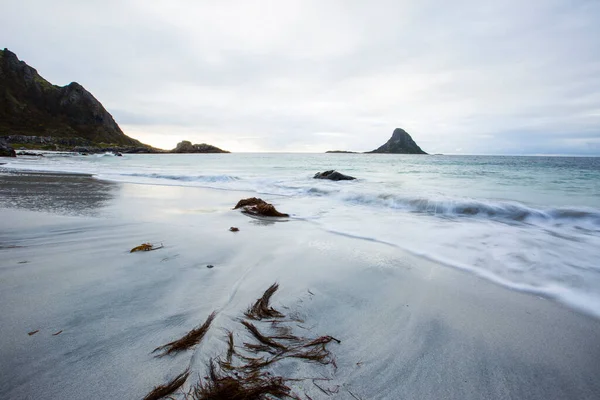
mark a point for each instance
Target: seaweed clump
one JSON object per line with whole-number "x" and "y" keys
{"x": 258, "y": 207}
{"x": 146, "y": 247}
{"x": 251, "y": 201}
{"x": 242, "y": 374}
{"x": 255, "y": 386}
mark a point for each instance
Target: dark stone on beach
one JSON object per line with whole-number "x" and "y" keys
{"x": 6, "y": 150}
{"x": 234, "y": 229}
{"x": 333, "y": 176}
{"x": 258, "y": 207}
{"x": 210, "y": 266}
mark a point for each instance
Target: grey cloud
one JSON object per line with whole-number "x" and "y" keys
{"x": 515, "y": 77}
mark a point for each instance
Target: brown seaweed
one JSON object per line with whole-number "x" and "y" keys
{"x": 164, "y": 390}
{"x": 219, "y": 385}
{"x": 191, "y": 339}
{"x": 261, "y": 308}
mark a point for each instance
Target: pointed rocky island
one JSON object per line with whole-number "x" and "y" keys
{"x": 399, "y": 143}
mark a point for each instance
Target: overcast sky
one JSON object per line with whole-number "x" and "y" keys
{"x": 472, "y": 77}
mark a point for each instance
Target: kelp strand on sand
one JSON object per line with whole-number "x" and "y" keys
{"x": 191, "y": 339}
{"x": 162, "y": 391}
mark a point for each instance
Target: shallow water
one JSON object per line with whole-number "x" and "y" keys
{"x": 530, "y": 223}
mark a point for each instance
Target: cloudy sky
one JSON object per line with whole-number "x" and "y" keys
{"x": 472, "y": 77}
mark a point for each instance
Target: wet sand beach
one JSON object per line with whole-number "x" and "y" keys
{"x": 409, "y": 328}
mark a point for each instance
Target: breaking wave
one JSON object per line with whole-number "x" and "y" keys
{"x": 185, "y": 178}
{"x": 508, "y": 211}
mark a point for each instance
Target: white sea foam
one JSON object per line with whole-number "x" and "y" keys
{"x": 534, "y": 228}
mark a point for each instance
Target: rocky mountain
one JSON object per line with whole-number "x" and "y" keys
{"x": 187, "y": 147}
{"x": 31, "y": 107}
{"x": 399, "y": 143}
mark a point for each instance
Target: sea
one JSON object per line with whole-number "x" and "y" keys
{"x": 528, "y": 223}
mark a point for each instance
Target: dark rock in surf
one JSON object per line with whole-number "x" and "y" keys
{"x": 333, "y": 175}
{"x": 6, "y": 150}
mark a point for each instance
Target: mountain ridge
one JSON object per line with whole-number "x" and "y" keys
{"x": 32, "y": 106}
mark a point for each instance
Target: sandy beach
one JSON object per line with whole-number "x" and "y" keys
{"x": 409, "y": 328}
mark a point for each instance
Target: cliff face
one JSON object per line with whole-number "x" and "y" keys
{"x": 32, "y": 106}
{"x": 187, "y": 147}
{"x": 399, "y": 143}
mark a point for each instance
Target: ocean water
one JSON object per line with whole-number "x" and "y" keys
{"x": 529, "y": 223}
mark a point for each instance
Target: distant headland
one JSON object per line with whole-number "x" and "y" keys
{"x": 35, "y": 114}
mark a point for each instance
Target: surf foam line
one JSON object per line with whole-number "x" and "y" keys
{"x": 509, "y": 211}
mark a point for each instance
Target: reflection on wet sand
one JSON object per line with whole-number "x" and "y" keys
{"x": 70, "y": 194}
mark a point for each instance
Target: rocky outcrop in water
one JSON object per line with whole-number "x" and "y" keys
{"x": 187, "y": 147}
{"x": 30, "y": 106}
{"x": 399, "y": 143}
{"x": 333, "y": 175}
{"x": 6, "y": 150}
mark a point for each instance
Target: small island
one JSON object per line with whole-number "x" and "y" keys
{"x": 187, "y": 147}
{"x": 399, "y": 143}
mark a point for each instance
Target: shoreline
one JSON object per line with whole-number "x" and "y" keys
{"x": 409, "y": 327}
